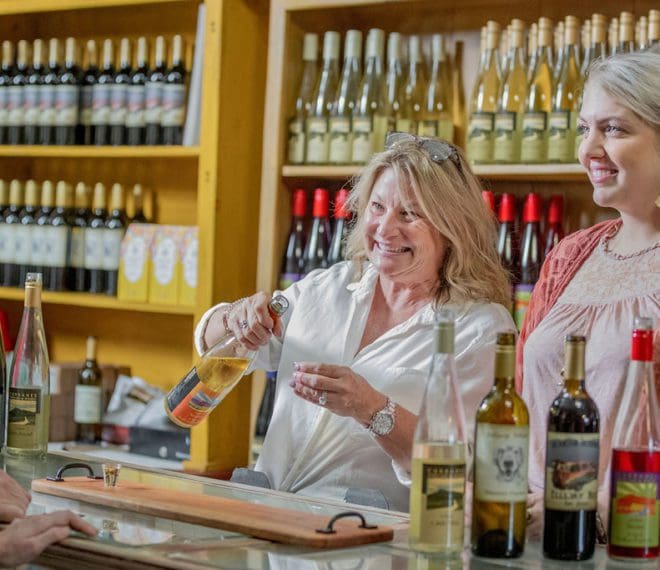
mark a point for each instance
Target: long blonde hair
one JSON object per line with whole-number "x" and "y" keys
{"x": 449, "y": 197}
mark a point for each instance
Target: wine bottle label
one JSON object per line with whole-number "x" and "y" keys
{"x": 47, "y": 106}
{"x": 560, "y": 137}
{"x": 340, "y": 140}
{"x": 117, "y": 104}
{"x": 77, "y": 254}
{"x": 7, "y": 243}
{"x": 112, "y": 248}
{"x": 39, "y": 238}
{"x": 480, "y": 137}
{"x": 404, "y": 126}
{"x": 317, "y": 140}
{"x": 153, "y": 96}
{"x": 505, "y": 148}
{"x": 15, "y": 114}
{"x": 135, "y": 104}
{"x": 362, "y": 146}
{"x": 23, "y": 244}
{"x": 174, "y": 99}
{"x": 380, "y": 128}
{"x": 534, "y": 142}
{"x": 57, "y": 246}
{"x": 87, "y": 407}
{"x": 94, "y": 248}
{"x": 571, "y": 471}
{"x": 100, "y": 104}
{"x": 135, "y": 257}
{"x": 31, "y": 104}
{"x": 446, "y": 129}
{"x": 66, "y": 105}
{"x": 24, "y": 418}
{"x": 3, "y": 106}
{"x": 427, "y": 128}
{"x": 635, "y": 509}
{"x": 190, "y": 401}
{"x": 164, "y": 260}
{"x": 86, "y": 104}
{"x": 296, "y": 144}
{"x": 501, "y": 458}
{"x": 522, "y": 293}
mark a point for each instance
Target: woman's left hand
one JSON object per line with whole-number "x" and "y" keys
{"x": 338, "y": 389}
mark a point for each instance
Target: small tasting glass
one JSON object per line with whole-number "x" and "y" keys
{"x": 111, "y": 474}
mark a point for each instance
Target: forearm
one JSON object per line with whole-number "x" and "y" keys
{"x": 398, "y": 443}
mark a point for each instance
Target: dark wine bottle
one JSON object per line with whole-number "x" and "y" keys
{"x": 267, "y": 405}
{"x": 531, "y": 256}
{"x": 554, "y": 232}
{"x": 94, "y": 242}
{"x": 67, "y": 98}
{"x": 40, "y": 230}
{"x": 88, "y": 401}
{"x": 6, "y": 73}
{"x": 174, "y": 96}
{"x": 12, "y": 222}
{"x": 119, "y": 95}
{"x": 32, "y": 93}
{"x": 15, "y": 114}
{"x": 342, "y": 217}
{"x": 136, "y": 96}
{"x": 23, "y": 249}
{"x": 47, "y": 100}
{"x": 4, "y": 253}
{"x": 571, "y": 467}
{"x": 115, "y": 229}
{"x": 55, "y": 277}
{"x": 89, "y": 79}
{"x": 79, "y": 274}
{"x": 507, "y": 244}
{"x": 292, "y": 263}
{"x": 154, "y": 96}
{"x": 139, "y": 216}
{"x": 318, "y": 240}
{"x": 101, "y": 93}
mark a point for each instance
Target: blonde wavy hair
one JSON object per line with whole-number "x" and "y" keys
{"x": 449, "y": 197}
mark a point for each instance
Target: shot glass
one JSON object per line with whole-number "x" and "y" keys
{"x": 111, "y": 474}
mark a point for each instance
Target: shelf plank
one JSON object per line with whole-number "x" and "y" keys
{"x": 123, "y": 152}
{"x": 89, "y": 300}
{"x": 512, "y": 172}
{"x": 32, "y": 6}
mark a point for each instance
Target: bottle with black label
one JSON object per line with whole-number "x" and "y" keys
{"x": 23, "y": 247}
{"x": 139, "y": 216}
{"x": 32, "y": 93}
{"x": 15, "y": 114}
{"x": 94, "y": 233}
{"x": 154, "y": 96}
{"x": 101, "y": 93}
{"x": 67, "y": 96}
{"x": 79, "y": 274}
{"x": 174, "y": 96}
{"x": 6, "y": 73}
{"x": 119, "y": 95}
{"x": 47, "y": 99}
{"x": 40, "y": 230}
{"x": 88, "y": 402}
{"x": 12, "y": 222}
{"x": 115, "y": 229}
{"x": 571, "y": 466}
{"x": 342, "y": 217}
{"x": 59, "y": 228}
{"x": 135, "y": 99}
{"x": 89, "y": 79}
{"x": 292, "y": 262}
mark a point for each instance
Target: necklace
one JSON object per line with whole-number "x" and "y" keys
{"x": 605, "y": 244}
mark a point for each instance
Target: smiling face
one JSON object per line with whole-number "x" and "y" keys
{"x": 620, "y": 152}
{"x": 401, "y": 243}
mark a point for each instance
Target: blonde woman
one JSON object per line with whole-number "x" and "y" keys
{"x": 354, "y": 349}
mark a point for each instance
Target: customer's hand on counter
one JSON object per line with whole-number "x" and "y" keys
{"x": 14, "y": 500}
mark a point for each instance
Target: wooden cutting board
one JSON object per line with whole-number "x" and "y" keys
{"x": 261, "y": 521}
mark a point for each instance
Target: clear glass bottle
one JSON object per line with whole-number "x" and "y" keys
{"x": 414, "y": 89}
{"x": 626, "y": 33}
{"x": 437, "y": 119}
{"x": 458, "y": 96}
{"x": 88, "y": 400}
{"x": 393, "y": 80}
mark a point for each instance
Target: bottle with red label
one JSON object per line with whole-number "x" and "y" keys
{"x": 342, "y": 218}
{"x": 635, "y": 471}
{"x": 531, "y": 256}
{"x": 292, "y": 263}
{"x": 318, "y": 240}
{"x": 554, "y": 231}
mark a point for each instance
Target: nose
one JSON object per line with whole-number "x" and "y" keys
{"x": 389, "y": 223}
{"x": 591, "y": 146}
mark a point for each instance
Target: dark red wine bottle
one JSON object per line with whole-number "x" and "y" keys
{"x": 89, "y": 79}
{"x": 318, "y": 240}
{"x": 135, "y": 99}
{"x": 292, "y": 262}
{"x": 174, "y": 96}
{"x": 67, "y": 98}
{"x": 15, "y": 113}
{"x": 47, "y": 98}
{"x": 154, "y": 96}
{"x": 342, "y": 216}
{"x": 101, "y": 94}
{"x": 267, "y": 405}
{"x": 56, "y": 275}
{"x": 554, "y": 231}
{"x": 507, "y": 242}
{"x": 32, "y": 93}
{"x": 119, "y": 95}
{"x": 94, "y": 233}
{"x": 4, "y": 209}
{"x": 79, "y": 274}
{"x": 531, "y": 244}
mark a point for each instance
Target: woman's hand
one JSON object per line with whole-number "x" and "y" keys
{"x": 339, "y": 389}
{"x": 534, "y": 515}
{"x": 25, "y": 538}
{"x": 14, "y": 500}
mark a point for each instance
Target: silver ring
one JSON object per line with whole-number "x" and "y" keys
{"x": 243, "y": 324}
{"x": 323, "y": 398}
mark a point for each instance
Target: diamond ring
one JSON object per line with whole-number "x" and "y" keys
{"x": 323, "y": 398}
{"x": 243, "y": 324}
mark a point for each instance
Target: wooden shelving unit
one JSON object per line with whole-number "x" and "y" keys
{"x": 213, "y": 185}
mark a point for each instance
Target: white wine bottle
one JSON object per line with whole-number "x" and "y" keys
{"x": 532, "y": 50}
{"x": 558, "y": 44}
{"x": 214, "y": 375}
{"x": 626, "y": 33}
{"x": 437, "y": 120}
{"x": 296, "y": 143}
{"x": 28, "y": 408}
{"x": 316, "y": 125}
{"x": 88, "y": 398}
{"x": 394, "y": 80}
{"x": 414, "y": 89}
{"x": 439, "y": 454}
{"x": 458, "y": 96}
{"x": 512, "y": 100}
{"x": 501, "y": 461}
{"x": 483, "y": 103}
{"x": 654, "y": 27}
{"x": 342, "y": 108}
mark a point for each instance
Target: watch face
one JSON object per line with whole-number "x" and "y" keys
{"x": 382, "y": 423}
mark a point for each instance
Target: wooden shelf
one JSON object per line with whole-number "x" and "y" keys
{"x": 32, "y": 6}
{"x": 123, "y": 152}
{"x": 88, "y": 300}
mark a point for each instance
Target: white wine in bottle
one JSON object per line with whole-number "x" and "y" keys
{"x": 532, "y": 44}
{"x": 439, "y": 454}
{"x": 458, "y": 96}
{"x": 437, "y": 120}
{"x": 483, "y": 103}
{"x": 28, "y": 408}
{"x": 394, "y": 80}
{"x": 539, "y": 99}
{"x": 414, "y": 89}
{"x": 512, "y": 100}
{"x": 626, "y": 33}
{"x": 654, "y": 27}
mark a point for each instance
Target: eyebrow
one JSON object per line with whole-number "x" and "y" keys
{"x": 610, "y": 118}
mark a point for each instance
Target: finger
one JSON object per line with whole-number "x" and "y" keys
{"x": 77, "y": 523}
{"x": 277, "y": 329}
{"x": 258, "y": 334}
{"x": 54, "y": 534}
{"x": 308, "y": 394}
{"x": 315, "y": 381}
{"x": 10, "y": 512}
{"x": 328, "y": 370}
{"x": 262, "y": 316}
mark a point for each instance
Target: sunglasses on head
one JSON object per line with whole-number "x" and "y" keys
{"x": 438, "y": 150}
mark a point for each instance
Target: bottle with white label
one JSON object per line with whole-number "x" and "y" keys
{"x": 88, "y": 403}
{"x": 115, "y": 228}
{"x": 342, "y": 109}
{"x": 153, "y": 93}
{"x": 501, "y": 461}
{"x": 174, "y": 96}
{"x": 49, "y": 85}
{"x": 15, "y": 95}
{"x": 437, "y": 116}
{"x": 89, "y": 79}
{"x": 101, "y": 95}
{"x": 94, "y": 234}
{"x": 79, "y": 275}
{"x": 6, "y": 73}
{"x": 369, "y": 119}
{"x": 135, "y": 96}
{"x": 394, "y": 81}
{"x": 67, "y": 96}
{"x": 119, "y": 95}
{"x": 4, "y": 209}
{"x": 59, "y": 242}
{"x": 40, "y": 230}
{"x": 316, "y": 125}
{"x": 32, "y": 93}
{"x": 12, "y": 222}
{"x": 414, "y": 89}
{"x": 23, "y": 245}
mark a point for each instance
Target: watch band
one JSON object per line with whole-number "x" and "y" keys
{"x": 376, "y": 426}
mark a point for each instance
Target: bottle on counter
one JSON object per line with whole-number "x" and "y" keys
{"x": 28, "y": 394}
{"x": 342, "y": 217}
{"x": 501, "y": 462}
{"x": 94, "y": 234}
{"x": 315, "y": 255}
{"x": 67, "y": 98}
{"x": 119, "y": 95}
{"x": 101, "y": 95}
{"x": 79, "y": 273}
{"x": 56, "y": 275}
{"x": 439, "y": 454}
{"x": 174, "y": 96}
{"x": 571, "y": 467}
{"x": 154, "y": 95}
{"x": 88, "y": 401}
{"x": 635, "y": 470}
{"x": 89, "y": 79}
{"x": 214, "y": 375}
{"x": 115, "y": 228}
{"x": 48, "y": 89}
{"x": 135, "y": 96}
{"x": 292, "y": 263}
{"x": 32, "y": 93}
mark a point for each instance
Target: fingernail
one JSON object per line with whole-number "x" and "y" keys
{"x": 296, "y": 365}
{"x": 292, "y": 383}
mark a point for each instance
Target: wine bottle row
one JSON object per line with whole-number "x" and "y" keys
{"x": 75, "y": 245}
{"x": 58, "y": 102}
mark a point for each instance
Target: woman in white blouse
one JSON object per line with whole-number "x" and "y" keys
{"x": 353, "y": 350}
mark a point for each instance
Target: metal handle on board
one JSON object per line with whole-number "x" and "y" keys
{"x": 58, "y": 476}
{"x": 330, "y": 530}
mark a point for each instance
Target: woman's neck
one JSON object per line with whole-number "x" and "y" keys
{"x": 399, "y": 295}
{"x": 636, "y": 233}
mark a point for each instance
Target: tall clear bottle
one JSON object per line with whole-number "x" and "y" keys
{"x": 369, "y": 120}
{"x": 341, "y": 141}
{"x": 437, "y": 119}
{"x": 29, "y": 394}
{"x": 501, "y": 461}
{"x": 317, "y": 138}
{"x": 626, "y": 33}
{"x": 88, "y": 399}
{"x": 296, "y": 143}
{"x": 394, "y": 80}
{"x": 635, "y": 472}
{"x": 458, "y": 96}
{"x": 439, "y": 454}
{"x": 414, "y": 89}
{"x": 483, "y": 102}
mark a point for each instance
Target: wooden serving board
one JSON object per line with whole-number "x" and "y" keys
{"x": 261, "y": 521}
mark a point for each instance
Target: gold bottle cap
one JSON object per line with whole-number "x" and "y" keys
{"x": 47, "y": 194}
{"x": 31, "y": 193}
{"x": 16, "y": 193}
{"x": 4, "y": 193}
{"x": 505, "y": 355}
{"x": 99, "y": 196}
{"x": 63, "y": 196}
{"x": 91, "y": 348}
{"x": 311, "y": 47}
{"x": 574, "y": 357}
{"x": 33, "y": 290}
{"x": 117, "y": 197}
{"x": 493, "y": 34}
{"x": 82, "y": 195}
